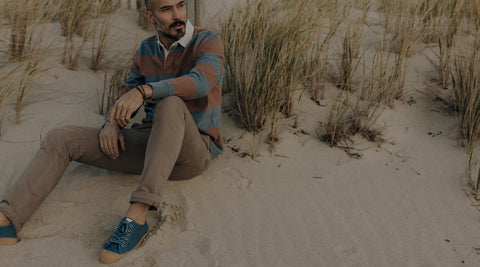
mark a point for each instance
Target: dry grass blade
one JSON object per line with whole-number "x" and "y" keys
{"x": 466, "y": 80}
{"x": 402, "y": 32}
{"x": 339, "y": 120}
{"x": 260, "y": 64}
{"x": 112, "y": 82}
{"x": 74, "y": 14}
{"x": 100, "y": 29}
{"x": 316, "y": 57}
{"x": 109, "y": 6}
{"x": 24, "y": 16}
{"x": 264, "y": 43}
{"x": 430, "y": 11}
{"x": 350, "y": 51}
{"x": 7, "y": 88}
{"x": 28, "y": 22}
{"x": 446, "y": 40}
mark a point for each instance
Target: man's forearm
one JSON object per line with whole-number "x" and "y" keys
{"x": 147, "y": 89}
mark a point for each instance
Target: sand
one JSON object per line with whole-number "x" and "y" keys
{"x": 301, "y": 203}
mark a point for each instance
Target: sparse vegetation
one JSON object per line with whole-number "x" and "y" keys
{"x": 28, "y": 72}
{"x": 466, "y": 81}
{"x": 114, "y": 78}
{"x": 74, "y": 15}
{"x": 108, "y": 6}
{"x": 274, "y": 49}
{"x": 446, "y": 40}
{"x": 7, "y": 85}
{"x": 24, "y": 18}
{"x": 261, "y": 67}
{"x": 100, "y": 29}
{"x": 28, "y": 21}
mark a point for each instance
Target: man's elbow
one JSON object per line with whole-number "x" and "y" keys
{"x": 202, "y": 91}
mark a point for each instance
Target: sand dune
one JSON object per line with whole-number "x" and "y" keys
{"x": 300, "y": 203}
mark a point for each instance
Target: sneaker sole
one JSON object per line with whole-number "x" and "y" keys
{"x": 8, "y": 241}
{"x": 108, "y": 257}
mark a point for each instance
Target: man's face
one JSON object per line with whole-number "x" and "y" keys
{"x": 169, "y": 17}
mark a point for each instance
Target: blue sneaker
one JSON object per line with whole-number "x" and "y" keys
{"x": 8, "y": 236}
{"x": 127, "y": 236}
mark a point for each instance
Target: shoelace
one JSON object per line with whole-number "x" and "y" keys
{"x": 121, "y": 234}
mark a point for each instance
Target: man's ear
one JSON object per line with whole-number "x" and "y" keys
{"x": 148, "y": 14}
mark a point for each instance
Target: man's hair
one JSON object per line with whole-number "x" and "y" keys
{"x": 147, "y": 5}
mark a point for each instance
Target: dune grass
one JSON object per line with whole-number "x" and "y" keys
{"x": 357, "y": 107}
{"x": 28, "y": 72}
{"x": 405, "y": 33}
{"x": 272, "y": 48}
{"x": 74, "y": 16}
{"x": 357, "y": 112}
{"x": 20, "y": 18}
{"x": 108, "y": 6}
{"x": 316, "y": 58}
{"x": 27, "y": 20}
{"x": 100, "y": 28}
{"x": 349, "y": 52}
{"x": 316, "y": 61}
{"x": 261, "y": 62}
{"x": 446, "y": 40}
{"x": 430, "y": 21}
{"x": 24, "y": 17}
{"x": 7, "y": 88}
{"x": 114, "y": 78}
{"x": 466, "y": 81}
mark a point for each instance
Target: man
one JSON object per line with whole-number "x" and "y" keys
{"x": 177, "y": 75}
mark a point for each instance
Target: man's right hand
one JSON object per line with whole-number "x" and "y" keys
{"x": 110, "y": 136}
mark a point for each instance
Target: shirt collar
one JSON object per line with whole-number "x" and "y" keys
{"x": 184, "y": 40}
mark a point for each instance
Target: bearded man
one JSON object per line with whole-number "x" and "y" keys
{"x": 177, "y": 76}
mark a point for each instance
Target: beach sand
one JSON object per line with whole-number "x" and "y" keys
{"x": 404, "y": 202}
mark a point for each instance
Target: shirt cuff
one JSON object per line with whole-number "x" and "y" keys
{"x": 162, "y": 89}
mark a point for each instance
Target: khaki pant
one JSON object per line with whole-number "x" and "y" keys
{"x": 169, "y": 148}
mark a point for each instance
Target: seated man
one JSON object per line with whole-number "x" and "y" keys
{"x": 177, "y": 75}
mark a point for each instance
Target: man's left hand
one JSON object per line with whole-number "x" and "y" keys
{"x": 125, "y": 106}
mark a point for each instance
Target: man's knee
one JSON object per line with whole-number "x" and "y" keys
{"x": 169, "y": 105}
{"x": 58, "y": 137}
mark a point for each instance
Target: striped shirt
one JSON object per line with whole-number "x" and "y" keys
{"x": 191, "y": 70}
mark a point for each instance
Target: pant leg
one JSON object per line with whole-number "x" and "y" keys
{"x": 175, "y": 149}
{"x": 60, "y": 146}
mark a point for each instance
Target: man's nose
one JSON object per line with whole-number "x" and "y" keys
{"x": 176, "y": 13}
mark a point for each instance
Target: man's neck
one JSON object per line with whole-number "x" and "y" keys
{"x": 167, "y": 42}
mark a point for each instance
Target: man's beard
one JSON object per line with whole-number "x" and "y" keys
{"x": 179, "y": 34}
{"x": 176, "y": 37}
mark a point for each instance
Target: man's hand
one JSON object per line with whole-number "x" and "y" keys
{"x": 124, "y": 107}
{"x": 110, "y": 136}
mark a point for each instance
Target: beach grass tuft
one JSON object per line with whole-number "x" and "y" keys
{"x": 263, "y": 42}
{"x": 465, "y": 81}
{"x": 74, "y": 16}
{"x": 100, "y": 28}
{"x": 446, "y": 40}
{"x": 113, "y": 80}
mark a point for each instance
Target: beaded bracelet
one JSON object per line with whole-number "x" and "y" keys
{"x": 140, "y": 89}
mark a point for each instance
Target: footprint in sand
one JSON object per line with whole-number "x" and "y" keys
{"x": 348, "y": 254}
{"x": 236, "y": 178}
{"x": 169, "y": 215}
